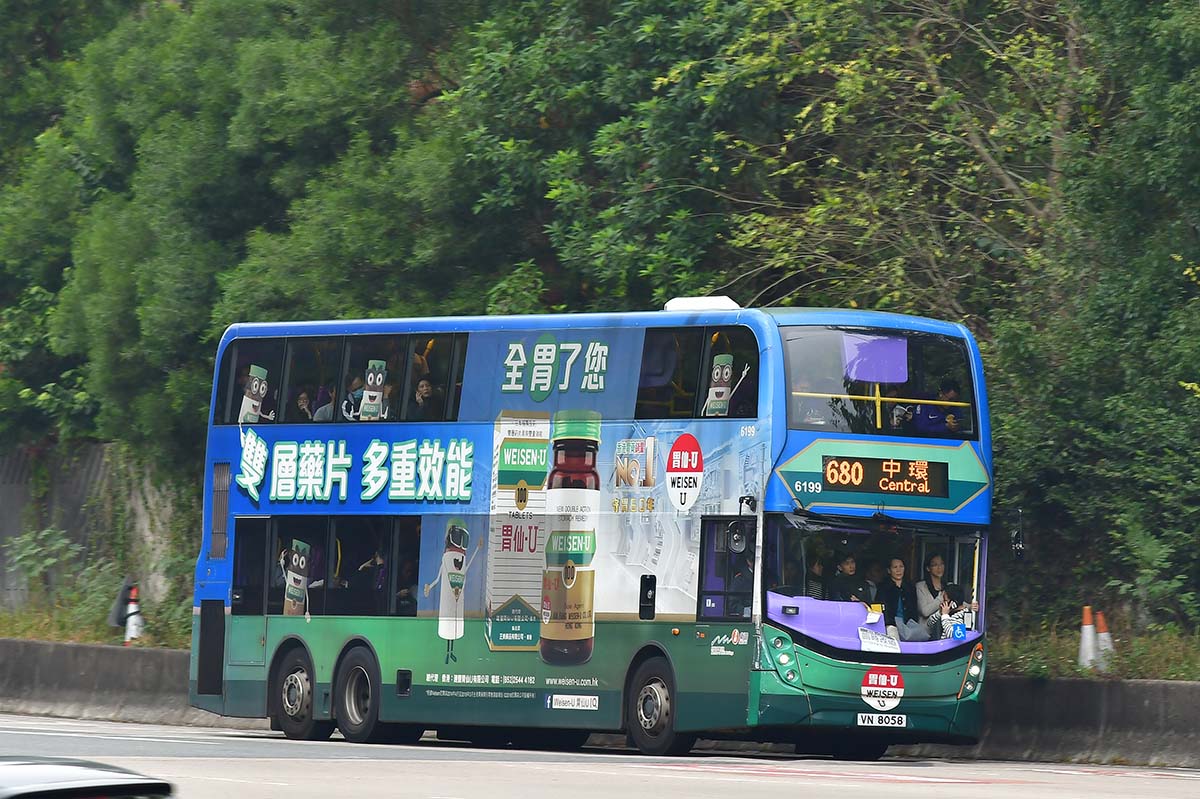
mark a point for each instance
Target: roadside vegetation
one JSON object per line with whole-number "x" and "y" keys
{"x": 1027, "y": 168}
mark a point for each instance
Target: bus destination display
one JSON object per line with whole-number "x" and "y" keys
{"x": 885, "y": 476}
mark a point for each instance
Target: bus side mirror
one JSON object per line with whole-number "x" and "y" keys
{"x": 1018, "y": 537}
{"x": 736, "y": 538}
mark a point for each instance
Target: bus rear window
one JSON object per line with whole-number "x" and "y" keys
{"x": 879, "y": 382}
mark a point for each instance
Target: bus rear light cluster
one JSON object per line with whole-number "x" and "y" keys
{"x": 973, "y": 675}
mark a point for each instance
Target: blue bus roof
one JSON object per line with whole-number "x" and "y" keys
{"x": 752, "y": 316}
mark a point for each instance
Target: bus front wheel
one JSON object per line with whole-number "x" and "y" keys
{"x": 294, "y": 699}
{"x": 357, "y": 694}
{"x": 651, "y": 710}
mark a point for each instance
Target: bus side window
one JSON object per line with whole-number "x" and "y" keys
{"x": 249, "y": 566}
{"x": 313, "y": 365}
{"x": 301, "y": 566}
{"x": 248, "y": 382}
{"x": 374, "y": 378}
{"x": 430, "y": 359}
{"x": 362, "y": 587}
{"x": 407, "y": 565}
{"x": 669, "y": 373}
{"x": 731, "y": 376}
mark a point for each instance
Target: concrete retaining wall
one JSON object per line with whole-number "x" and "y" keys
{"x": 1146, "y": 722}
{"x": 112, "y": 683}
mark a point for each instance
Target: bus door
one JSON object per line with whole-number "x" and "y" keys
{"x": 247, "y": 620}
{"x": 727, "y": 548}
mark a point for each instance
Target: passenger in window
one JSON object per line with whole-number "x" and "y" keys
{"x": 390, "y": 404}
{"x": 931, "y": 590}
{"x": 897, "y": 417}
{"x": 847, "y": 585}
{"x": 793, "y": 574}
{"x": 875, "y": 576}
{"x": 406, "y": 597}
{"x": 929, "y": 418}
{"x": 375, "y": 568}
{"x": 814, "y": 581}
{"x": 353, "y": 400}
{"x": 953, "y": 610}
{"x": 427, "y": 403}
{"x": 326, "y": 399}
{"x": 900, "y": 612}
{"x": 304, "y": 406}
{"x": 810, "y": 410}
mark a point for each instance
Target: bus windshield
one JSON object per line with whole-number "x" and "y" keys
{"x": 829, "y": 576}
{"x": 877, "y": 381}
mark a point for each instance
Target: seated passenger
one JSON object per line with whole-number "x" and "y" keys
{"x": 809, "y": 410}
{"x": 814, "y": 584}
{"x": 353, "y": 400}
{"x": 900, "y": 612}
{"x": 953, "y": 611}
{"x": 304, "y": 406}
{"x": 939, "y": 418}
{"x": 846, "y": 585}
{"x": 427, "y": 404}
{"x": 875, "y": 577}
{"x": 326, "y": 397}
{"x": 406, "y": 597}
{"x": 897, "y": 417}
{"x": 930, "y": 590}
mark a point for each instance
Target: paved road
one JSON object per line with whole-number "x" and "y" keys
{"x": 212, "y": 763}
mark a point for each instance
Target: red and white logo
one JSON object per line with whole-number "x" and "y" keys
{"x": 685, "y": 472}
{"x": 883, "y": 687}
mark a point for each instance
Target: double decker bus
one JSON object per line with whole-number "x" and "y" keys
{"x": 699, "y": 521}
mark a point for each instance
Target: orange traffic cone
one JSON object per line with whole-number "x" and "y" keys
{"x": 1087, "y": 640}
{"x": 1104, "y": 644}
{"x": 133, "y": 617}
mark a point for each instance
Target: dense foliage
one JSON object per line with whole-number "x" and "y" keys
{"x": 1024, "y": 166}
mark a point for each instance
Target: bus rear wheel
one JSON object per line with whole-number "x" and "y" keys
{"x": 651, "y": 711}
{"x": 294, "y": 699}
{"x": 357, "y": 693}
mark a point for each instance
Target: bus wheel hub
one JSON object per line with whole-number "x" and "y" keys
{"x": 653, "y": 705}
{"x": 294, "y": 691}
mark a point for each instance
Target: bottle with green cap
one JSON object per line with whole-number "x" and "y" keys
{"x": 572, "y": 511}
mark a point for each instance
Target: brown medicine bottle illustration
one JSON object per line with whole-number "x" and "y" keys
{"x": 572, "y": 512}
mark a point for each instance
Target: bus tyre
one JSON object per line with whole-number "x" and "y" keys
{"x": 356, "y": 696}
{"x": 650, "y": 711}
{"x": 294, "y": 699}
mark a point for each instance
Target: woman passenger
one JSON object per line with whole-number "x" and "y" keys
{"x": 931, "y": 590}
{"x": 900, "y": 611}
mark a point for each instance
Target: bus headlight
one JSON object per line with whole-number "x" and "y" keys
{"x": 778, "y": 642}
{"x": 790, "y": 675}
{"x": 785, "y": 659}
{"x": 977, "y": 655}
{"x": 974, "y": 670}
{"x": 969, "y": 687}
